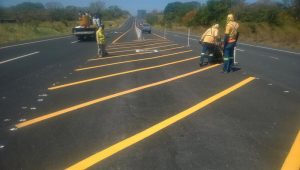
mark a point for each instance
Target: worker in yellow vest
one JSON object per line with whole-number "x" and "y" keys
{"x": 209, "y": 41}
{"x": 101, "y": 41}
{"x": 230, "y": 38}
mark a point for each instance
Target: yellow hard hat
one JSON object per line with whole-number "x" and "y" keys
{"x": 230, "y": 17}
{"x": 216, "y": 26}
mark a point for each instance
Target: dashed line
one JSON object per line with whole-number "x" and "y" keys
{"x": 73, "y": 42}
{"x": 23, "y": 56}
{"x": 95, "y": 101}
{"x": 105, "y": 153}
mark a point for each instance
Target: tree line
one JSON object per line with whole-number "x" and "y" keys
{"x": 195, "y": 13}
{"x": 55, "y": 11}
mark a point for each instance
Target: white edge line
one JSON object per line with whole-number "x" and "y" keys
{"x": 34, "y": 42}
{"x": 2, "y": 62}
{"x": 246, "y": 44}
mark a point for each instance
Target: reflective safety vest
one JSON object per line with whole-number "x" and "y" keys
{"x": 100, "y": 36}
{"x": 231, "y": 30}
{"x": 210, "y": 35}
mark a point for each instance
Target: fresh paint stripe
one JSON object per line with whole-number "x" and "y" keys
{"x": 292, "y": 161}
{"x": 133, "y": 50}
{"x": 158, "y": 36}
{"x": 126, "y": 55}
{"x": 138, "y": 45}
{"x": 23, "y": 56}
{"x": 121, "y": 36}
{"x": 135, "y": 44}
{"x": 121, "y": 73}
{"x": 34, "y": 42}
{"x": 95, "y": 101}
{"x": 103, "y": 154}
{"x": 130, "y": 61}
{"x": 73, "y": 42}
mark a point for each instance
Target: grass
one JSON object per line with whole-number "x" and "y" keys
{"x": 13, "y": 32}
{"x": 283, "y": 36}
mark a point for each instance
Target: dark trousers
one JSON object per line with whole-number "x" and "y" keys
{"x": 101, "y": 50}
{"x": 207, "y": 48}
{"x": 228, "y": 57}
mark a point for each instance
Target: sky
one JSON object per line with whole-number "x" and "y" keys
{"x": 130, "y": 5}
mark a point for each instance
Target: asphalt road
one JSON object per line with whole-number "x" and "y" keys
{"x": 147, "y": 105}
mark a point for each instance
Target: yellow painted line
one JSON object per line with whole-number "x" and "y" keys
{"x": 95, "y": 101}
{"x": 138, "y": 45}
{"x": 103, "y": 154}
{"x": 292, "y": 162}
{"x": 158, "y": 36}
{"x": 121, "y": 36}
{"x": 132, "y": 54}
{"x": 135, "y": 43}
{"x": 148, "y": 39}
{"x": 130, "y": 61}
{"x": 121, "y": 73}
{"x": 133, "y": 50}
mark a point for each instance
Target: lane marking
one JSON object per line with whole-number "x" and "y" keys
{"x": 73, "y": 42}
{"x": 113, "y": 52}
{"x": 149, "y": 39}
{"x": 130, "y": 61}
{"x": 23, "y": 56}
{"x": 121, "y": 73}
{"x": 138, "y": 45}
{"x": 121, "y": 36}
{"x": 34, "y": 42}
{"x": 240, "y": 50}
{"x": 95, "y": 101}
{"x": 158, "y": 36}
{"x": 133, "y": 54}
{"x": 105, "y": 153}
{"x": 292, "y": 161}
{"x": 135, "y": 44}
{"x": 275, "y": 58}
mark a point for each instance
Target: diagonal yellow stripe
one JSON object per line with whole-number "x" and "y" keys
{"x": 132, "y": 54}
{"x": 151, "y": 48}
{"x": 101, "y": 155}
{"x": 138, "y": 45}
{"x": 130, "y": 61}
{"x": 121, "y": 36}
{"x": 95, "y": 101}
{"x": 292, "y": 161}
{"x": 118, "y": 74}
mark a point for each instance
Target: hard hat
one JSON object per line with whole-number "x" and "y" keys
{"x": 216, "y": 26}
{"x": 230, "y": 17}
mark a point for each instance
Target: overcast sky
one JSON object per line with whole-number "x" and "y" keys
{"x": 130, "y": 5}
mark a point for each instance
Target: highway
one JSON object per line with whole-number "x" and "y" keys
{"x": 148, "y": 105}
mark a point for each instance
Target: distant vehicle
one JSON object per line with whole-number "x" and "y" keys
{"x": 146, "y": 28}
{"x": 85, "y": 29}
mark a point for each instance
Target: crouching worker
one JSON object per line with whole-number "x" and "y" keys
{"x": 209, "y": 42}
{"x": 101, "y": 42}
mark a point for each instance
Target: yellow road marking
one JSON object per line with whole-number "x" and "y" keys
{"x": 121, "y": 36}
{"x": 95, "y": 101}
{"x": 130, "y": 61}
{"x": 292, "y": 162}
{"x": 138, "y": 45}
{"x": 132, "y": 54}
{"x": 151, "y": 48}
{"x": 158, "y": 36}
{"x": 135, "y": 43}
{"x": 121, "y": 73}
{"x": 148, "y": 39}
{"x": 103, "y": 154}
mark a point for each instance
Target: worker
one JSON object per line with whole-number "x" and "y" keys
{"x": 230, "y": 38}
{"x": 101, "y": 41}
{"x": 209, "y": 41}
